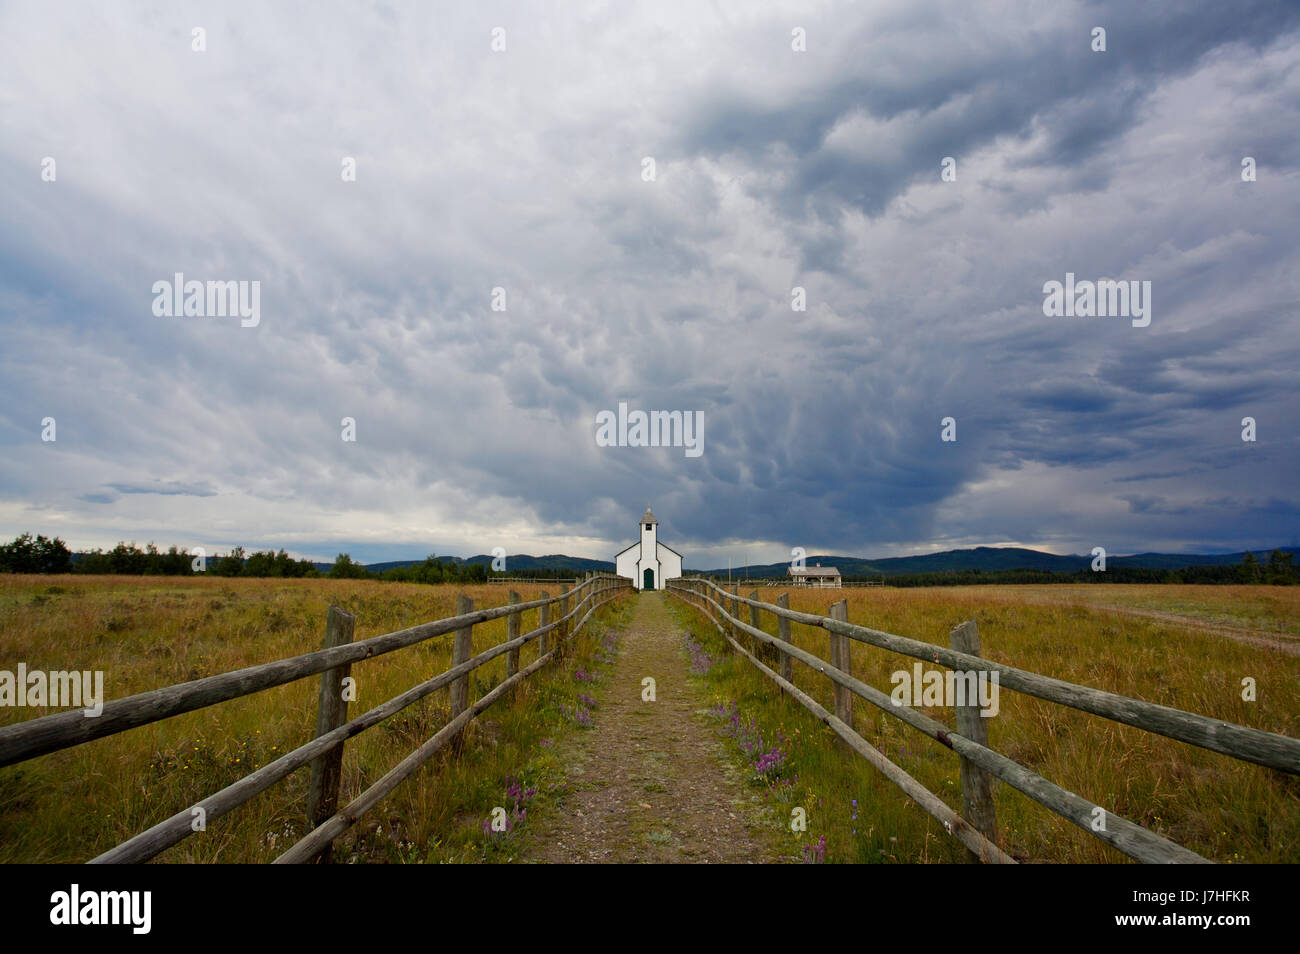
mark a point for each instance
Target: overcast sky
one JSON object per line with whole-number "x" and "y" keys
{"x": 524, "y": 169}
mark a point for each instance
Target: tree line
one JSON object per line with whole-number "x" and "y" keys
{"x": 41, "y": 554}
{"x": 429, "y": 570}
{"x": 1278, "y": 571}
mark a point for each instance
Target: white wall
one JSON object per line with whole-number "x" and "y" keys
{"x": 670, "y": 563}
{"x": 625, "y": 565}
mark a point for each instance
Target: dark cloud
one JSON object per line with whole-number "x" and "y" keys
{"x": 475, "y": 428}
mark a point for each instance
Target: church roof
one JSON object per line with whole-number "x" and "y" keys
{"x": 637, "y": 546}
{"x": 649, "y": 517}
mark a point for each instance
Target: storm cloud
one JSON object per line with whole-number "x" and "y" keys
{"x": 523, "y": 170}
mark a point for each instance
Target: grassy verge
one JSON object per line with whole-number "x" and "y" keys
{"x": 484, "y": 804}
{"x": 827, "y": 806}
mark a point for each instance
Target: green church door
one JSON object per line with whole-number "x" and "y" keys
{"x": 649, "y": 583}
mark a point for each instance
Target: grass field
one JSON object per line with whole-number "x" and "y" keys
{"x": 1226, "y": 810}
{"x": 149, "y": 632}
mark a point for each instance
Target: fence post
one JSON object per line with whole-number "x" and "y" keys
{"x": 331, "y": 712}
{"x": 841, "y": 659}
{"x": 562, "y": 636}
{"x": 543, "y": 619}
{"x": 783, "y": 626}
{"x": 512, "y": 632}
{"x": 976, "y": 784}
{"x": 735, "y": 611}
{"x": 760, "y": 647}
{"x": 462, "y": 648}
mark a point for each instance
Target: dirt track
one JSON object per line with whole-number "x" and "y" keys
{"x": 651, "y": 782}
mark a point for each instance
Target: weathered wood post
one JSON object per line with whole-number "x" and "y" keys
{"x": 562, "y": 634}
{"x": 760, "y": 648}
{"x": 841, "y": 659}
{"x": 462, "y": 648}
{"x": 976, "y": 784}
{"x": 735, "y": 610}
{"x": 544, "y": 619}
{"x": 783, "y": 626}
{"x": 512, "y": 632}
{"x": 331, "y": 712}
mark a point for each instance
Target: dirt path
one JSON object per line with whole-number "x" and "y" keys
{"x": 1286, "y": 643}
{"x": 651, "y": 782}
{"x": 1281, "y": 642}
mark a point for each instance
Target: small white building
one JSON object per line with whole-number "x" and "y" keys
{"x": 827, "y": 577}
{"x": 649, "y": 563}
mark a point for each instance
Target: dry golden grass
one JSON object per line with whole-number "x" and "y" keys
{"x": 149, "y": 632}
{"x": 1227, "y": 810}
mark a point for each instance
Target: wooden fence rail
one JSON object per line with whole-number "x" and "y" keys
{"x": 501, "y": 580}
{"x": 65, "y": 729}
{"x": 36, "y": 737}
{"x": 978, "y": 829}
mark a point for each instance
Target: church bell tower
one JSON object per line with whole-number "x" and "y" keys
{"x": 649, "y": 531}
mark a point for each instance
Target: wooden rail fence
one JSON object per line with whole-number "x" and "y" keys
{"x": 324, "y": 753}
{"x": 511, "y": 580}
{"x": 976, "y": 826}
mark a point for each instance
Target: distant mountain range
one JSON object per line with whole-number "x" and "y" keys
{"x": 986, "y": 559}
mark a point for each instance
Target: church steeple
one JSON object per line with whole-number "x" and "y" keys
{"x": 650, "y": 539}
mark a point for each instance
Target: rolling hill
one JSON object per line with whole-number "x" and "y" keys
{"x": 984, "y": 559}
{"x": 989, "y": 559}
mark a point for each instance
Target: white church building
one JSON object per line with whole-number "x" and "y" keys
{"x": 649, "y": 563}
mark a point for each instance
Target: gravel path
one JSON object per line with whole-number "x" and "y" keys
{"x": 652, "y": 782}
